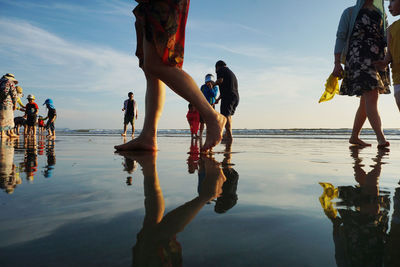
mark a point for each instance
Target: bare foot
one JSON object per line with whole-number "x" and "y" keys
{"x": 214, "y": 132}
{"x": 123, "y": 134}
{"x": 358, "y": 142}
{"x": 140, "y": 143}
{"x": 384, "y": 145}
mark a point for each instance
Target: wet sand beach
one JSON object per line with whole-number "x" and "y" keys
{"x": 285, "y": 202}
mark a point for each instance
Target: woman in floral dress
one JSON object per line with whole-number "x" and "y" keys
{"x": 8, "y": 101}
{"x": 160, "y": 31}
{"x": 360, "y": 42}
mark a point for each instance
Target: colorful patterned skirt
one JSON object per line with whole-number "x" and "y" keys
{"x": 366, "y": 46}
{"x": 6, "y": 118}
{"x": 162, "y": 22}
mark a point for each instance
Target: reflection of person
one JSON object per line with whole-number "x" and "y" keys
{"x": 51, "y": 159}
{"x": 193, "y": 118}
{"x": 229, "y": 197}
{"x": 8, "y": 103}
{"x": 160, "y": 30}
{"x": 360, "y": 41}
{"x": 131, "y": 113}
{"x": 229, "y": 94}
{"x": 156, "y": 243}
{"x": 359, "y": 230}
{"x": 30, "y": 159}
{"x": 194, "y": 155}
{"x": 210, "y": 91}
{"x": 130, "y": 167}
{"x": 8, "y": 175}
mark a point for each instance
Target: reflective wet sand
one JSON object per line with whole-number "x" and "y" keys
{"x": 256, "y": 202}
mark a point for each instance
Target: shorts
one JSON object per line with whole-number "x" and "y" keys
{"x": 228, "y": 107}
{"x": 31, "y": 120}
{"x": 50, "y": 126}
{"x": 129, "y": 119}
{"x": 396, "y": 89}
{"x": 162, "y": 23}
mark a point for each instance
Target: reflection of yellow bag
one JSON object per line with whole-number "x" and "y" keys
{"x": 330, "y": 193}
{"x": 331, "y": 88}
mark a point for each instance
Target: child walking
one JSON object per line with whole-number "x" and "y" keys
{"x": 160, "y": 31}
{"x": 193, "y": 118}
{"x": 51, "y": 116}
{"x": 393, "y": 55}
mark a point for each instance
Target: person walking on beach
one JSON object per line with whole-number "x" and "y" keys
{"x": 393, "y": 55}
{"x": 229, "y": 94}
{"x": 360, "y": 41}
{"x": 210, "y": 91}
{"x": 160, "y": 30}
{"x": 131, "y": 113}
{"x": 8, "y": 103}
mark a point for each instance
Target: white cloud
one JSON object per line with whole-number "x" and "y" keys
{"x": 67, "y": 65}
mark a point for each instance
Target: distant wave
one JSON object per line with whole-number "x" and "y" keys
{"x": 341, "y": 133}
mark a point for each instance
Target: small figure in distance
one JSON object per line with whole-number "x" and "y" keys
{"x": 131, "y": 113}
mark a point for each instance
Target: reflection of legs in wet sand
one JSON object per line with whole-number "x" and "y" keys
{"x": 392, "y": 255}
{"x": 229, "y": 197}
{"x": 159, "y": 232}
{"x": 360, "y": 214}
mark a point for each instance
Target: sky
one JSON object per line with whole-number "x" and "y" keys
{"x": 81, "y": 54}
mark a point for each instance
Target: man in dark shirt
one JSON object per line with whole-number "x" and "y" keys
{"x": 229, "y": 95}
{"x": 130, "y": 108}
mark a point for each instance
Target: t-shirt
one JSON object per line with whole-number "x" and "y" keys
{"x": 229, "y": 87}
{"x": 209, "y": 93}
{"x": 31, "y": 109}
{"x": 130, "y": 107}
{"x": 51, "y": 113}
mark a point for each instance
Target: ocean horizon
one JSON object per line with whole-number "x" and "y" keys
{"x": 308, "y": 133}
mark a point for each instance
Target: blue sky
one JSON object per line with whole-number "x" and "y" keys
{"x": 81, "y": 54}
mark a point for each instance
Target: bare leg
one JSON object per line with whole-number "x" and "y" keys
{"x": 359, "y": 120}
{"x": 201, "y": 129}
{"x": 155, "y": 97}
{"x": 371, "y": 108}
{"x": 228, "y": 127}
{"x": 182, "y": 84}
{"x": 133, "y": 128}
{"x": 125, "y": 128}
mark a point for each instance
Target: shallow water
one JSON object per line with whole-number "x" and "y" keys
{"x": 74, "y": 202}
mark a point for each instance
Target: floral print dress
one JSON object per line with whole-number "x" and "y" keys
{"x": 367, "y": 44}
{"x": 162, "y": 22}
{"x": 8, "y": 96}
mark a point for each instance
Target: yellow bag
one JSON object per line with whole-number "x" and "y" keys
{"x": 331, "y": 88}
{"x": 330, "y": 193}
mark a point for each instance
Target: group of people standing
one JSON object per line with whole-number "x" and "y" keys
{"x": 10, "y": 100}
{"x": 227, "y": 86}
{"x": 361, "y": 42}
